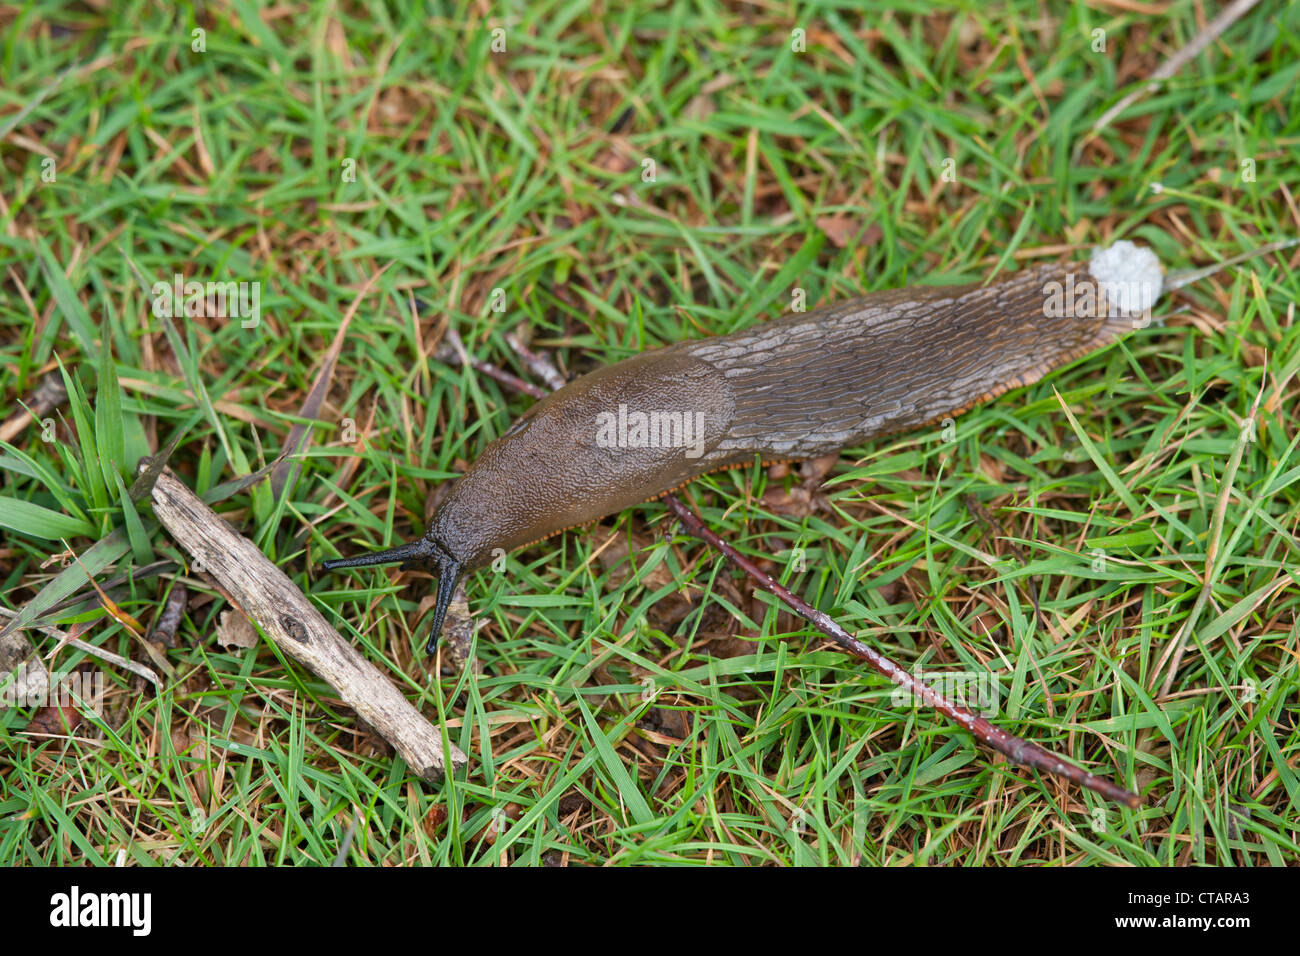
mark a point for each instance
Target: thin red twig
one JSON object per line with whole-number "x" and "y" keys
{"x": 1014, "y": 748}
{"x": 453, "y": 352}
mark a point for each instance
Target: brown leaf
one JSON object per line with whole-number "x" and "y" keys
{"x": 619, "y": 552}
{"x": 57, "y": 720}
{"x": 435, "y": 818}
{"x": 572, "y": 802}
{"x": 511, "y": 812}
{"x": 618, "y": 156}
{"x": 840, "y": 230}
{"x": 235, "y": 630}
{"x": 614, "y": 547}
{"x": 815, "y": 469}
{"x": 667, "y": 722}
{"x": 845, "y": 231}
{"x": 797, "y": 502}
{"x": 728, "y": 647}
{"x": 993, "y": 468}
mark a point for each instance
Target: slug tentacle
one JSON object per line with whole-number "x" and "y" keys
{"x": 403, "y": 552}
{"x": 425, "y": 554}
{"x": 449, "y": 576}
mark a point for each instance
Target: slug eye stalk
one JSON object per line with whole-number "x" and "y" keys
{"x": 408, "y": 554}
{"x": 425, "y": 554}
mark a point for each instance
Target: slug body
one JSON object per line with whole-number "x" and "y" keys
{"x": 801, "y": 386}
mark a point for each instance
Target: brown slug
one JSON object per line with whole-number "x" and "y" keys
{"x": 801, "y": 386}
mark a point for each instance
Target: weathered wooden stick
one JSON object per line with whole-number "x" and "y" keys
{"x": 270, "y": 600}
{"x": 49, "y": 395}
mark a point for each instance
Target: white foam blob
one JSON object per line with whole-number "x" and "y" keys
{"x": 1130, "y": 275}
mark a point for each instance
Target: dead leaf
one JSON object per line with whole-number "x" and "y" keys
{"x": 846, "y": 231}
{"x": 797, "y": 502}
{"x": 840, "y": 230}
{"x": 57, "y": 720}
{"x": 235, "y": 630}
{"x": 435, "y": 819}
{"x": 815, "y": 469}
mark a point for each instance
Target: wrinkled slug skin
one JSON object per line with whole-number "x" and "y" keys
{"x": 801, "y": 386}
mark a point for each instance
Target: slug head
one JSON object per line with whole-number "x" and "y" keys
{"x": 575, "y": 456}
{"x": 556, "y": 467}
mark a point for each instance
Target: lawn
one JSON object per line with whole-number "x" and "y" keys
{"x": 599, "y": 181}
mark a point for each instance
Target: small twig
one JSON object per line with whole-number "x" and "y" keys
{"x": 1014, "y": 748}
{"x": 49, "y": 395}
{"x": 115, "y": 659}
{"x": 452, "y": 351}
{"x": 133, "y": 627}
{"x": 539, "y": 365}
{"x": 37, "y": 669}
{"x": 270, "y": 600}
{"x": 1226, "y": 18}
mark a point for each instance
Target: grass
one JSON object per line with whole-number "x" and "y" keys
{"x": 632, "y": 701}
